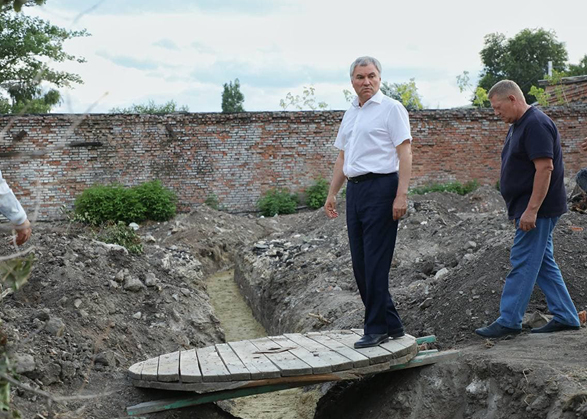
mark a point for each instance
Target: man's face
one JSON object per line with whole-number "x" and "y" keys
{"x": 505, "y": 108}
{"x": 366, "y": 81}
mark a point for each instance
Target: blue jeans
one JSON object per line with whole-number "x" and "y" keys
{"x": 533, "y": 263}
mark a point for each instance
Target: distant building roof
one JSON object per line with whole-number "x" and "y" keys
{"x": 569, "y": 90}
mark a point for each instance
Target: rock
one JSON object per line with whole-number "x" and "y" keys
{"x": 51, "y": 374}
{"x": 112, "y": 247}
{"x": 134, "y": 226}
{"x": 426, "y": 303}
{"x": 133, "y": 284}
{"x": 106, "y": 358}
{"x": 150, "y": 279}
{"x": 150, "y": 239}
{"x": 68, "y": 370}
{"x": 119, "y": 275}
{"x": 23, "y": 363}
{"x": 77, "y": 303}
{"x": 55, "y": 326}
{"x": 185, "y": 291}
{"x": 441, "y": 273}
{"x": 535, "y": 319}
{"x": 137, "y": 315}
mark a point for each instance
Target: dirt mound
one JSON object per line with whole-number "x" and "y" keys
{"x": 90, "y": 310}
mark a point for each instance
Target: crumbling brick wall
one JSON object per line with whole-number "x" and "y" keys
{"x": 50, "y": 159}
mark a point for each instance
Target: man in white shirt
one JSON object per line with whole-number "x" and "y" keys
{"x": 376, "y": 157}
{"x": 11, "y": 209}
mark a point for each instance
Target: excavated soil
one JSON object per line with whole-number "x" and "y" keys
{"x": 88, "y": 311}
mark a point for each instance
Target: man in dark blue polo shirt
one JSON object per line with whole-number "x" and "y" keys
{"x": 532, "y": 185}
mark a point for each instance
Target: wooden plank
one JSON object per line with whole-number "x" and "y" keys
{"x": 358, "y": 359}
{"x": 258, "y": 364}
{"x": 237, "y": 369}
{"x": 289, "y": 364}
{"x": 189, "y": 368}
{"x": 168, "y": 369}
{"x": 149, "y": 371}
{"x": 134, "y": 372}
{"x": 398, "y": 346}
{"x": 211, "y": 365}
{"x": 427, "y": 358}
{"x": 321, "y": 358}
{"x": 426, "y": 339}
{"x": 375, "y": 354}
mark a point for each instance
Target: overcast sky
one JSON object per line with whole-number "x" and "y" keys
{"x": 185, "y": 50}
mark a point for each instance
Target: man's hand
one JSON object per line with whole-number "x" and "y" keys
{"x": 23, "y": 233}
{"x": 528, "y": 220}
{"x": 584, "y": 145}
{"x": 330, "y": 207}
{"x": 400, "y": 206}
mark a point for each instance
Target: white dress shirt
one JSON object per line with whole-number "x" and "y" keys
{"x": 369, "y": 134}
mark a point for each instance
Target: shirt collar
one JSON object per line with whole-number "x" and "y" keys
{"x": 376, "y": 98}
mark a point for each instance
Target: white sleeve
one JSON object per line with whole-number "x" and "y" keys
{"x": 398, "y": 124}
{"x": 9, "y": 205}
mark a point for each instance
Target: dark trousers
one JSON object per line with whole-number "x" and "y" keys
{"x": 372, "y": 233}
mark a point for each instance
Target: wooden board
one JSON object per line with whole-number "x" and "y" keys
{"x": 318, "y": 356}
{"x": 168, "y": 367}
{"x": 258, "y": 364}
{"x": 288, "y": 364}
{"x": 149, "y": 372}
{"x": 189, "y": 368}
{"x": 376, "y": 354}
{"x": 211, "y": 365}
{"x": 358, "y": 359}
{"x": 134, "y": 372}
{"x": 238, "y": 370}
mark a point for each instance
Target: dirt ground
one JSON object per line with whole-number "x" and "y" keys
{"x": 89, "y": 311}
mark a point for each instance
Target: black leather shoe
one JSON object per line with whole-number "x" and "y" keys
{"x": 554, "y": 326}
{"x": 496, "y": 330}
{"x": 396, "y": 334}
{"x": 371, "y": 340}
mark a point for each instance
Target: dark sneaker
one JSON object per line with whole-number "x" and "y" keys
{"x": 496, "y": 330}
{"x": 554, "y": 326}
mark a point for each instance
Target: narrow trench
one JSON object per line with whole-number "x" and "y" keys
{"x": 238, "y": 322}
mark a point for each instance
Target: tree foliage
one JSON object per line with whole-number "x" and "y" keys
{"x": 523, "y": 58}
{"x": 16, "y": 5}
{"x": 232, "y": 97}
{"x": 152, "y": 108}
{"x": 406, "y": 93}
{"x": 306, "y": 101}
{"x": 27, "y": 46}
{"x": 578, "y": 69}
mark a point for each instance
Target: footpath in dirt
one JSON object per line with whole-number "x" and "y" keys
{"x": 90, "y": 311}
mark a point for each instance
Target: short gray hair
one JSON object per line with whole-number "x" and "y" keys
{"x": 505, "y": 88}
{"x": 364, "y": 61}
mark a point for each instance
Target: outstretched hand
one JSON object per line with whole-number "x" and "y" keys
{"x": 23, "y": 233}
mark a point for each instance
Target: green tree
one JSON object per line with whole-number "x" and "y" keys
{"x": 152, "y": 108}
{"x": 523, "y": 58}
{"x": 232, "y": 97}
{"x": 406, "y": 93}
{"x": 306, "y": 101}
{"x": 578, "y": 69}
{"x": 16, "y": 5}
{"x": 27, "y": 46}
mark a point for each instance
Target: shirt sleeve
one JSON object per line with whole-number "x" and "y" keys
{"x": 340, "y": 140}
{"x": 9, "y": 205}
{"x": 398, "y": 124}
{"x": 539, "y": 140}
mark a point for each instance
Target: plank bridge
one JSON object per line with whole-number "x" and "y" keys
{"x": 243, "y": 368}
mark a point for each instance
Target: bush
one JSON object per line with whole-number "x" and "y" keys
{"x": 159, "y": 202}
{"x": 455, "y": 187}
{"x": 122, "y": 235}
{"x": 317, "y": 193}
{"x": 99, "y": 203}
{"x": 277, "y": 201}
{"x": 212, "y": 201}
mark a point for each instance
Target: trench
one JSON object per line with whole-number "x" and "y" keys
{"x": 238, "y": 322}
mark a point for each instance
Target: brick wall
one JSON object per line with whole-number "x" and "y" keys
{"x": 49, "y": 159}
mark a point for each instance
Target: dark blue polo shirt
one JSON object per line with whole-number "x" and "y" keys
{"x": 533, "y": 136}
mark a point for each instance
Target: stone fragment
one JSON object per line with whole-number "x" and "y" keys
{"x": 55, "y": 326}
{"x": 133, "y": 284}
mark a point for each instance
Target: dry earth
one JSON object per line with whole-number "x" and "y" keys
{"x": 89, "y": 312}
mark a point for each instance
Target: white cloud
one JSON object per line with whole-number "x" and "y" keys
{"x": 186, "y": 50}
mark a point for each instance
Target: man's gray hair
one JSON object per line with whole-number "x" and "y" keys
{"x": 505, "y": 88}
{"x": 364, "y": 61}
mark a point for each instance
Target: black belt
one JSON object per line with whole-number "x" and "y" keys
{"x": 368, "y": 176}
